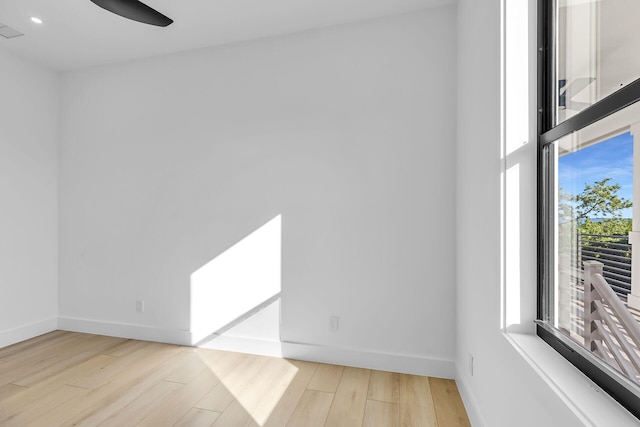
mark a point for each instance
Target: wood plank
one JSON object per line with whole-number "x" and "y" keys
{"x": 110, "y": 397}
{"x": 126, "y": 348}
{"x": 382, "y": 414}
{"x": 115, "y": 392}
{"x": 416, "y": 402}
{"x": 291, "y": 397}
{"x": 312, "y": 410}
{"x": 222, "y": 364}
{"x": 197, "y": 418}
{"x": 237, "y": 380}
{"x": 24, "y": 413}
{"x": 117, "y": 365}
{"x": 326, "y": 378}
{"x": 81, "y": 353}
{"x": 216, "y": 400}
{"x": 143, "y": 405}
{"x": 213, "y": 357}
{"x": 262, "y": 394}
{"x": 235, "y": 415}
{"x": 39, "y": 358}
{"x": 189, "y": 371}
{"x": 448, "y": 403}
{"x": 13, "y": 404}
{"x": 384, "y": 387}
{"x": 17, "y": 350}
{"x": 8, "y": 390}
{"x": 94, "y": 371}
{"x": 350, "y": 398}
{"x": 219, "y": 397}
{"x": 181, "y": 401}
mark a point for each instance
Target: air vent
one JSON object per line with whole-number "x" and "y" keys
{"x": 8, "y": 32}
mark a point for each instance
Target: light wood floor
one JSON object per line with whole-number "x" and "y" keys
{"x": 67, "y": 378}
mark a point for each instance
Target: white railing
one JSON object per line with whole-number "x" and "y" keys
{"x": 610, "y": 330}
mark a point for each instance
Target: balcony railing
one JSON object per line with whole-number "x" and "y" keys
{"x": 610, "y": 331}
{"x": 615, "y": 253}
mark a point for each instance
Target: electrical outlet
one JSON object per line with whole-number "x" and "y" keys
{"x": 140, "y": 306}
{"x": 471, "y": 364}
{"x": 334, "y": 323}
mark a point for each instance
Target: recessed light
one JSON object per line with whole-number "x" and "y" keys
{"x": 36, "y": 20}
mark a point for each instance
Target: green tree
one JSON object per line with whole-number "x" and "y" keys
{"x": 607, "y": 227}
{"x": 598, "y": 201}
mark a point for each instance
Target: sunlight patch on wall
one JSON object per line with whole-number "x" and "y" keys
{"x": 518, "y": 169}
{"x": 512, "y": 246}
{"x": 237, "y": 283}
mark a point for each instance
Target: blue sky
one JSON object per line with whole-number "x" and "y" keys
{"x": 612, "y": 158}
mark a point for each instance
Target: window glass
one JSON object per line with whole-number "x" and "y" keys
{"x": 594, "y": 301}
{"x": 596, "y": 51}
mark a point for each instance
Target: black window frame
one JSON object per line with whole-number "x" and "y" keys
{"x": 547, "y": 134}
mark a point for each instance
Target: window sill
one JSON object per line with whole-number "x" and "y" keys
{"x": 591, "y": 405}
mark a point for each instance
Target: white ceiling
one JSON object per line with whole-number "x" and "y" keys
{"x": 77, "y": 33}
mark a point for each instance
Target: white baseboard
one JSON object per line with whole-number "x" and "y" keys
{"x": 25, "y": 332}
{"x": 243, "y": 345}
{"x": 433, "y": 367}
{"x": 469, "y": 401}
{"x": 125, "y": 330}
{"x": 417, "y": 365}
{"x": 406, "y": 364}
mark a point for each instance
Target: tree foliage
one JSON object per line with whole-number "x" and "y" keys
{"x": 596, "y": 210}
{"x": 606, "y": 227}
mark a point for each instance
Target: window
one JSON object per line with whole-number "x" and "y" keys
{"x": 589, "y": 227}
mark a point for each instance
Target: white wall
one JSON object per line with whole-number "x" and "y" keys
{"x": 503, "y": 389}
{"x": 347, "y": 132}
{"x": 28, "y": 199}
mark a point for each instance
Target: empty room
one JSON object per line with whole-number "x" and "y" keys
{"x": 290, "y": 213}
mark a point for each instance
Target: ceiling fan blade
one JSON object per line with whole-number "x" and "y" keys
{"x": 135, "y": 10}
